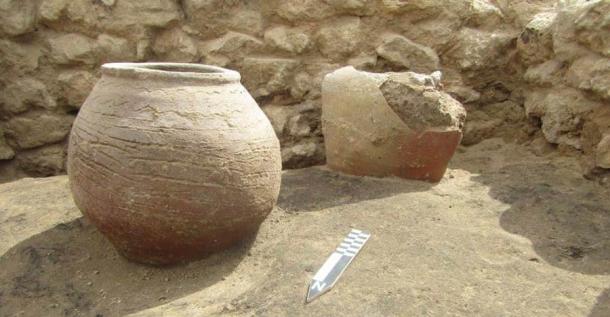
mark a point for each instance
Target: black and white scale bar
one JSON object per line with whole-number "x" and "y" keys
{"x": 337, "y": 262}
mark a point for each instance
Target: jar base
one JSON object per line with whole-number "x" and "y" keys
{"x": 184, "y": 253}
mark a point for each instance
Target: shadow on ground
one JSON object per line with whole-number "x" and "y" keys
{"x": 566, "y": 217}
{"x": 602, "y": 307}
{"x": 72, "y": 270}
{"x": 321, "y": 188}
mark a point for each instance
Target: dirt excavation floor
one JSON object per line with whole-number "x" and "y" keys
{"x": 505, "y": 233}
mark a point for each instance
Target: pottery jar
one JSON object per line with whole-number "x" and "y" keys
{"x": 389, "y": 124}
{"x": 172, "y": 161}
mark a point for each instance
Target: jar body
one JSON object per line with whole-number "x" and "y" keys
{"x": 364, "y": 136}
{"x": 171, "y": 169}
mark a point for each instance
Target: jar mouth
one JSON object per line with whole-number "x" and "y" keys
{"x": 172, "y": 71}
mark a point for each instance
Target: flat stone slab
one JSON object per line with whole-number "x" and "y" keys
{"x": 505, "y": 233}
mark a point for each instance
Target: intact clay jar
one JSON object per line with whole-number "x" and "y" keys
{"x": 389, "y": 124}
{"x": 173, "y": 161}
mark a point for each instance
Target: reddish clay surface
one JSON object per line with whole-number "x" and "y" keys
{"x": 422, "y": 156}
{"x": 426, "y": 155}
{"x": 173, "y": 161}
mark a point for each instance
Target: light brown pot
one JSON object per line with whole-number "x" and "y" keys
{"x": 363, "y": 135}
{"x": 173, "y": 161}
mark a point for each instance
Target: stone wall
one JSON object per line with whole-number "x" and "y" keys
{"x": 522, "y": 68}
{"x": 567, "y": 53}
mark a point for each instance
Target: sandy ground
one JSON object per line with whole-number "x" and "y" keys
{"x": 505, "y": 233}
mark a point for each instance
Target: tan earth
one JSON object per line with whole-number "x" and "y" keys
{"x": 505, "y": 233}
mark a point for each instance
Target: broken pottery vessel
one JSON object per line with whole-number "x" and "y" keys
{"x": 173, "y": 161}
{"x": 385, "y": 124}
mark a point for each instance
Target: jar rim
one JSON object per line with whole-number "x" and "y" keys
{"x": 172, "y": 71}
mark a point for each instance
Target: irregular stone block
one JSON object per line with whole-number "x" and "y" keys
{"x": 51, "y": 10}
{"x": 437, "y": 33}
{"x": 301, "y": 10}
{"x": 278, "y": 116}
{"x": 302, "y": 85}
{"x": 593, "y": 27}
{"x": 305, "y": 152}
{"x": 232, "y": 45}
{"x": 73, "y": 49}
{"x": 535, "y": 44}
{"x": 43, "y": 161}
{"x": 6, "y": 152}
{"x": 75, "y": 86}
{"x": 487, "y": 121}
{"x": 463, "y": 94}
{"x": 340, "y": 37}
{"x": 35, "y": 129}
{"x": 20, "y": 57}
{"x": 591, "y": 73}
{"x": 266, "y": 76}
{"x": 175, "y": 45}
{"x": 421, "y": 9}
{"x": 478, "y": 130}
{"x": 308, "y": 82}
{"x": 546, "y": 74}
{"x": 476, "y": 50}
{"x": 24, "y": 93}
{"x": 215, "y": 17}
{"x": 534, "y": 103}
{"x": 389, "y": 124}
{"x": 566, "y": 44}
{"x": 484, "y": 13}
{"x": 127, "y": 18}
{"x": 563, "y": 111}
{"x": 560, "y": 124}
{"x": 292, "y": 40}
{"x": 602, "y": 157}
{"x": 363, "y": 61}
{"x": 404, "y": 52}
{"x": 521, "y": 12}
{"x": 290, "y": 121}
{"x": 155, "y": 13}
{"x": 69, "y": 15}
{"x": 18, "y": 16}
{"x": 298, "y": 128}
{"x": 115, "y": 49}
{"x": 353, "y": 7}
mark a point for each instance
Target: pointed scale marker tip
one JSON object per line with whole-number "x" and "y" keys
{"x": 316, "y": 288}
{"x": 335, "y": 265}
